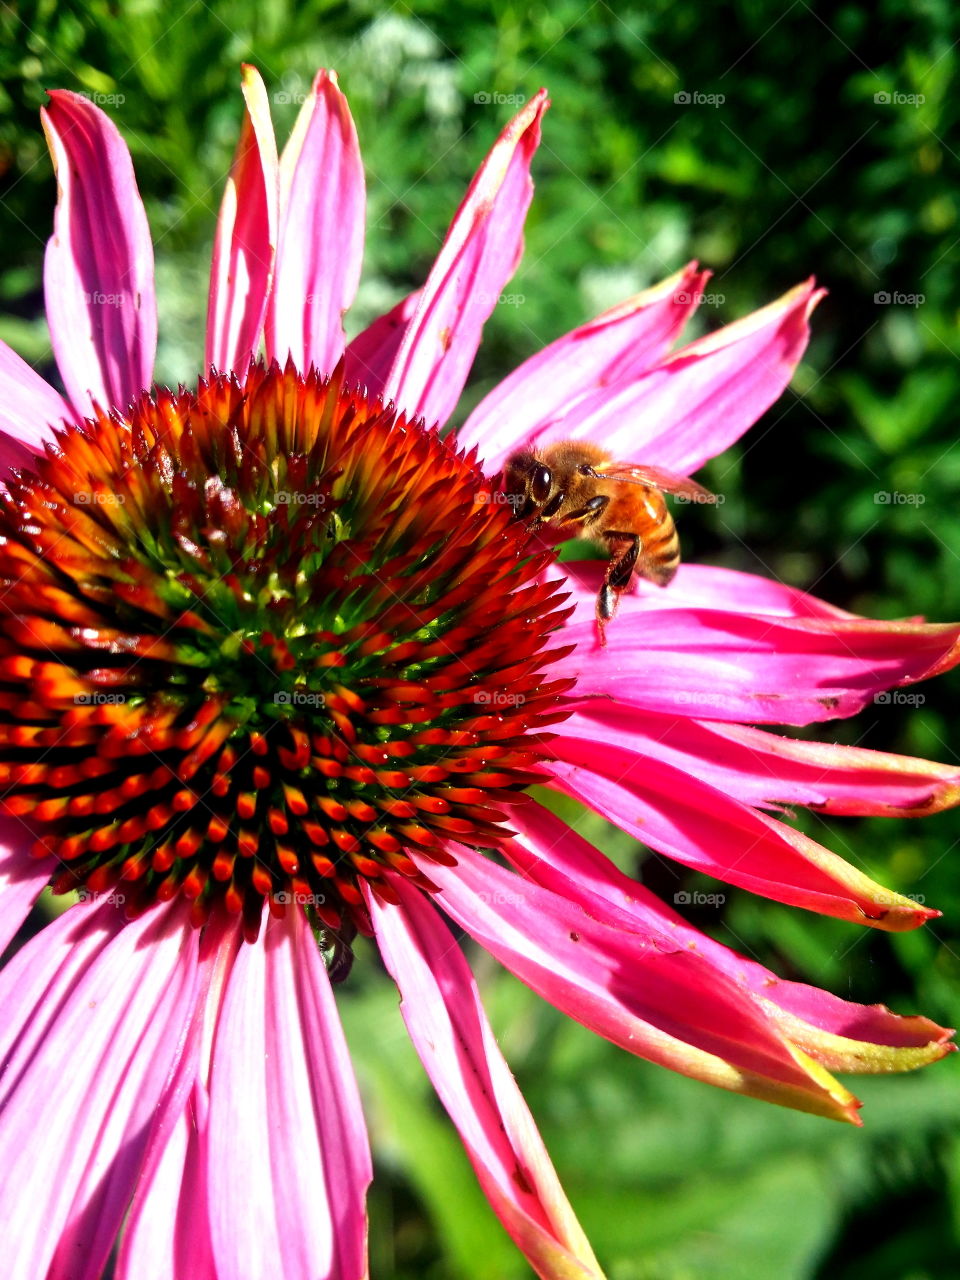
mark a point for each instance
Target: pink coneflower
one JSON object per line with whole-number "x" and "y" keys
{"x": 277, "y": 666}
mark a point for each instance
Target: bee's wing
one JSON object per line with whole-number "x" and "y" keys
{"x": 660, "y": 478}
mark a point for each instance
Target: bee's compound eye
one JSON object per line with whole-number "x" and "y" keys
{"x": 540, "y": 482}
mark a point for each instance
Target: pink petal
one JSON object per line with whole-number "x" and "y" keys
{"x": 167, "y": 1234}
{"x": 22, "y": 878}
{"x": 246, "y": 239}
{"x": 442, "y": 1010}
{"x": 702, "y": 398}
{"x": 370, "y": 356}
{"x": 840, "y": 1035}
{"x": 720, "y": 665}
{"x": 39, "y": 981}
{"x": 661, "y": 1001}
{"x": 29, "y": 407}
{"x": 677, "y": 814}
{"x": 763, "y": 769}
{"x": 168, "y": 1227}
{"x": 13, "y": 455}
{"x": 322, "y": 203}
{"x": 479, "y": 255}
{"x": 609, "y": 352}
{"x": 698, "y": 586}
{"x": 289, "y": 1162}
{"x": 84, "y": 1077}
{"x": 98, "y": 269}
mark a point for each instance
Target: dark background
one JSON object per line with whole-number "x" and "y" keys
{"x": 817, "y": 139}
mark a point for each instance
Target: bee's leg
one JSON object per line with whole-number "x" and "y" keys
{"x": 624, "y": 549}
{"x": 589, "y": 513}
{"x": 337, "y": 942}
{"x": 341, "y": 963}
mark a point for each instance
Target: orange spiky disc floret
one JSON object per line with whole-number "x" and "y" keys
{"x": 260, "y": 640}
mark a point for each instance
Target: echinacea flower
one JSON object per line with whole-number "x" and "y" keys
{"x": 277, "y": 666}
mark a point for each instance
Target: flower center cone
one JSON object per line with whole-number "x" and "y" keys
{"x": 259, "y": 640}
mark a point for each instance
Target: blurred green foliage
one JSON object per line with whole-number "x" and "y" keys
{"x": 812, "y": 139}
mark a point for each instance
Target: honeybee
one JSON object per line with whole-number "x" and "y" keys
{"x": 584, "y": 492}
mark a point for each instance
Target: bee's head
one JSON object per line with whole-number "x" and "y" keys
{"x": 527, "y": 482}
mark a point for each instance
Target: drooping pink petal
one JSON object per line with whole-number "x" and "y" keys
{"x": 89, "y": 1082}
{"x": 609, "y": 352}
{"x": 22, "y": 878}
{"x": 692, "y": 822}
{"x": 29, "y": 407}
{"x": 320, "y": 248}
{"x": 661, "y": 1001}
{"x": 764, "y": 769}
{"x": 840, "y": 1035}
{"x": 370, "y": 356}
{"x": 168, "y": 1233}
{"x": 98, "y": 269}
{"x": 479, "y": 255}
{"x": 702, "y": 398}
{"x": 289, "y": 1161}
{"x": 40, "y": 978}
{"x": 715, "y": 664}
{"x": 442, "y": 1010}
{"x": 246, "y": 238}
